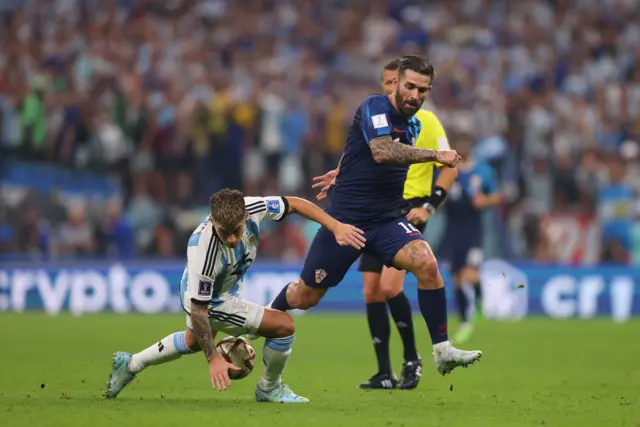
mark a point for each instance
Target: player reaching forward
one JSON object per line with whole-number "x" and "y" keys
{"x": 384, "y": 286}
{"x": 461, "y": 252}
{"x": 219, "y": 253}
{"x": 368, "y": 194}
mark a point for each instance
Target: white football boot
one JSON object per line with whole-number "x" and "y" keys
{"x": 447, "y": 357}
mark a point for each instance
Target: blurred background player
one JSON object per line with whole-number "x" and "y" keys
{"x": 462, "y": 249}
{"x": 382, "y": 285}
{"x": 219, "y": 253}
{"x": 369, "y": 192}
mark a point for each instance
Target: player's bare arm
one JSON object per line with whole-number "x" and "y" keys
{"x": 218, "y": 367}
{"x": 483, "y": 201}
{"x": 202, "y": 328}
{"x": 421, "y": 215}
{"x": 386, "y": 150}
{"x": 345, "y": 234}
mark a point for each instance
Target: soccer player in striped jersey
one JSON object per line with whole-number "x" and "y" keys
{"x": 219, "y": 253}
{"x": 383, "y": 286}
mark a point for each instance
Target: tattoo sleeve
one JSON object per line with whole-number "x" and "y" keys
{"x": 202, "y": 329}
{"x": 385, "y": 150}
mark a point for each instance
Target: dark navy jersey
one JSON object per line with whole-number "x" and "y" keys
{"x": 462, "y": 216}
{"x": 365, "y": 191}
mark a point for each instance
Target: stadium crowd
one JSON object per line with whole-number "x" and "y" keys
{"x": 172, "y": 100}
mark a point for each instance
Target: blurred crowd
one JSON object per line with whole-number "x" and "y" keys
{"x": 175, "y": 99}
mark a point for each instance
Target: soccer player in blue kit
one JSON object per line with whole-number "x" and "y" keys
{"x": 461, "y": 253}
{"x": 368, "y": 193}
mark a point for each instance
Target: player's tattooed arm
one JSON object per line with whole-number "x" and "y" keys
{"x": 386, "y": 150}
{"x": 202, "y": 328}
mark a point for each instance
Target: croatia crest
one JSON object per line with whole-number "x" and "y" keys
{"x": 320, "y": 275}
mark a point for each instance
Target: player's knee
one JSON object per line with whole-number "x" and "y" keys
{"x": 372, "y": 291}
{"x": 391, "y": 289}
{"x": 303, "y": 297}
{"x": 286, "y": 329}
{"x": 426, "y": 268}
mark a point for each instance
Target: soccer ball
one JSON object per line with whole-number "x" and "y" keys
{"x": 239, "y": 352}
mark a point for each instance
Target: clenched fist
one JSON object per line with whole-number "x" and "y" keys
{"x": 448, "y": 158}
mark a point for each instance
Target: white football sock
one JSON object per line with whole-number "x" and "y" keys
{"x": 167, "y": 349}
{"x": 470, "y": 293}
{"x": 275, "y": 355}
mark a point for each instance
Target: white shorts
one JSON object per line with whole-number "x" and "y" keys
{"x": 235, "y": 316}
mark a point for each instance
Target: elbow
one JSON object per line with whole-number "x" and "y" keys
{"x": 293, "y": 203}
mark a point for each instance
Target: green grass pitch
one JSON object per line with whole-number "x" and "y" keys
{"x": 534, "y": 373}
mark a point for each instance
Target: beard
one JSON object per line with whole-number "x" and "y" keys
{"x": 407, "y": 112}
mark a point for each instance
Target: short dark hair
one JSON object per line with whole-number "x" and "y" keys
{"x": 392, "y": 65}
{"x": 416, "y": 63}
{"x": 227, "y": 208}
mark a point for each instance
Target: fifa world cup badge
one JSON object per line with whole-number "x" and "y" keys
{"x": 320, "y": 275}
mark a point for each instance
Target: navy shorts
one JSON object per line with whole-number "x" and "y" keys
{"x": 370, "y": 264}
{"x": 458, "y": 252}
{"x": 327, "y": 262}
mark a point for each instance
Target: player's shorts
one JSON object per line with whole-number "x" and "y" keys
{"x": 327, "y": 262}
{"x": 456, "y": 254}
{"x": 235, "y": 316}
{"x": 370, "y": 264}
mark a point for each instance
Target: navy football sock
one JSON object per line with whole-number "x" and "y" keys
{"x": 462, "y": 304}
{"x": 380, "y": 332}
{"x": 401, "y": 312}
{"x": 433, "y": 305}
{"x": 280, "y": 302}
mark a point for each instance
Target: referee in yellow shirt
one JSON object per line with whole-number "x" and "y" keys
{"x": 383, "y": 286}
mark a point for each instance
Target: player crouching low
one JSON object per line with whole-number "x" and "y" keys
{"x": 219, "y": 253}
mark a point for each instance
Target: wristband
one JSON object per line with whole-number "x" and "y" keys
{"x": 429, "y": 207}
{"x": 438, "y": 196}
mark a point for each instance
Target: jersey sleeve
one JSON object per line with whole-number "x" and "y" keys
{"x": 375, "y": 118}
{"x": 203, "y": 258}
{"x": 274, "y": 208}
{"x": 487, "y": 180}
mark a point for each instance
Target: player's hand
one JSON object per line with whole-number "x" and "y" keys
{"x": 324, "y": 182}
{"x": 348, "y": 235}
{"x": 219, "y": 372}
{"x": 418, "y": 216}
{"x": 448, "y": 158}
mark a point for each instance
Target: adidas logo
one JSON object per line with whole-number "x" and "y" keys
{"x": 401, "y": 324}
{"x": 387, "y": 384}
{"x": 376, "y": 340}
{"x": 160, "y": 346}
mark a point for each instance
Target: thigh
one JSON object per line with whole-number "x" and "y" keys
{"x": 235, "y": 316}
{"x": 327, "y": 262}
{"x": 387, "y": 240}
{"x": 370, "y": 264}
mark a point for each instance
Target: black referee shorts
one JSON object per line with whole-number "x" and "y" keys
{"x": 369, "y": 263}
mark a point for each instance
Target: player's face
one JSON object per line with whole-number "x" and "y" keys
{"x": 230, "y": 235}
{"x": 411, "y": 92}
{"x": 389, "y": 81}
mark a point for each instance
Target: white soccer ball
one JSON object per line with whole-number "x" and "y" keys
{"x": 238, "y": 351}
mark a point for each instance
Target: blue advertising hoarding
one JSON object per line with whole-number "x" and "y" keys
{"x": 511, "y": 291}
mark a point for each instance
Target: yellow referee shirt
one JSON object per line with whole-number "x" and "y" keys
{"x": 420, "y": 176}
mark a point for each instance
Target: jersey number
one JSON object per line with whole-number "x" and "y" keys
{"x": 409, "y": 228}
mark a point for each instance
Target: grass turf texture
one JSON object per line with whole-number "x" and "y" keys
{"x": 534, "y": 373}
